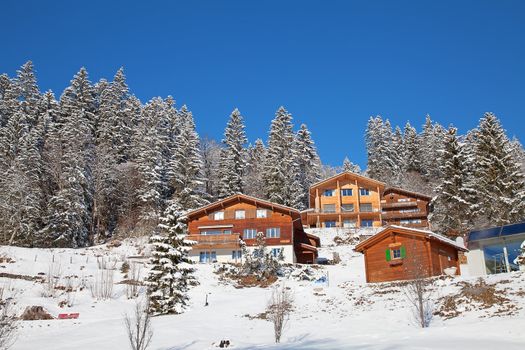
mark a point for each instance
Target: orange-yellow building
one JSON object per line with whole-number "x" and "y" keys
{"x": 345, "y": 200}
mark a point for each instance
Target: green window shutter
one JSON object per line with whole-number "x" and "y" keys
{"x": 387, "y": 253}
{"x": 403, "y": 252}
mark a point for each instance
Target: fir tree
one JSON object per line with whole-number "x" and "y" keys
{"x": 451, "y": 205}
{"x": 351, "y": 167}
{"x": 233, "y": 157}
{"x": 499, "y": 180}
{"x": 411, "y": 149}
{"x": 280, "y": 173}
{"x": 308, "y": 163}
{"x": 171, "y": 272}
{"x": 254, "y": 173}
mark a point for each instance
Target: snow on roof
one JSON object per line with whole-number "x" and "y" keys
{"x": 347, "y": 173}
{"x": 431, "y": 234}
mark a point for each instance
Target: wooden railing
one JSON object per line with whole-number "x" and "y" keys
{"x": 216, "y": 241}
{"x": 399, "y": 204}
{"x": 397, "y": 215}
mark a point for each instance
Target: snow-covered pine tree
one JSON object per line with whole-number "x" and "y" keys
{"x": 280, "y": 174}
{"x": 412, "y": 149}
{"x": 28, "y": 92}
{"x": 211, "y": 155}
{"x": 254, "y": 172}
{"x": 451, "y": 205}
{"x": 380, "y": 151}
{"x": 308, "y": 163}
{"x": 398, "y": 156}
{"x": 171, "y": 272}
{"x": 186, "y": 165}
{"x": 351, "y": 167}
{"x": 69, "y": 218}
{"x": 232, "y": 165}
{"x": 500, "y": 182}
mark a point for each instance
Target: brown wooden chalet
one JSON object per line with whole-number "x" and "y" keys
{"x": 401, "y": 253}
{"x": 218, "y": 228}
{"x": 405, "y": 208}
{"x": 345, "y": 200}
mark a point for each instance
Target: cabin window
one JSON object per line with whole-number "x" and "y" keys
{"x": 346, "y": 192}
{"x": 395, "y": 253}
{"x": 216, "y": 232}
{"x": 416, "y": 210}
{"x": 329, "y": 208}
{"x": 276, "y": 252}
{"x": 261, "y": 213}
{"x": 366, "y": 208}
{"x": 273, "y": 232}
{"x": 347, "y": 207}
{"x": 227, "y": 232}
{"x": 218, "y": 215}
{"x": 330, "y": 223}
{"x": 328, "y": 193}
{"x": 249, "y": 233}
{"x": 367, "y": 223}
{"x": 364, "y": 191}
{"x": 240, "y": 214}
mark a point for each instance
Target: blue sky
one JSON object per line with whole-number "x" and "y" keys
{"x": 332, "y": 64}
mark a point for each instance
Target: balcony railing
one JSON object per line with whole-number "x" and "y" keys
{"x": 215, "y": 241}
{"x": 399, "y": 204}
{"x": 397, "y": 215}
{"x": 321, "y": 211}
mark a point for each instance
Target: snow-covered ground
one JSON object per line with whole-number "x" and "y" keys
{"x": 346, "y": 313}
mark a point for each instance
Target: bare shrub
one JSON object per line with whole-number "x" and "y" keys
{"x": 138, "y": 326}
{"x": 278, "y": 311}
{"x": 419, "y": 288}
{"x": 52, "y": 279}
{"x": 134, "y": 275}
{"x": 8, "y": 320}
{"x": 101, "y": 286}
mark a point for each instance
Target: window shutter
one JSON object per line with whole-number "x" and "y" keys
{"x": 403, "y": 252}
{"x": 387, "y": 253}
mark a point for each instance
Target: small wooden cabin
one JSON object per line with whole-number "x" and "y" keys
{"x": 402, "y": 253}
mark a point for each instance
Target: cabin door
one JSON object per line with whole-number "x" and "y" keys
{"x": 444, "y": 261}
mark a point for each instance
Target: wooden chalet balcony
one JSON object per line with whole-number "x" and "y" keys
{"x": 336, "y": 212}
{"x": 397, "y": 215}
{"x": 226, "y": 241}
{"x": 400, "y": 204}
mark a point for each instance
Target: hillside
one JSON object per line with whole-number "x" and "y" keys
{"x": 345, "y": 313}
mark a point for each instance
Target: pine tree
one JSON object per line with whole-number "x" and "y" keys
{"x": 280, "y": 175}
{"x": 211, "y": 156}
{"x": 308, "y": 163}
{"x": 69, "y": 218}
{"x": 452, "y": 202}
{"x": 255, "y": 166}
{"x": 233, "y": 157}
{"x": 351, "y": 167}
{"x": 499, "y": 180}
{"x": 171, "y": 273}
{"x": 186, "y": 165}
{"x": 412, "y": 149}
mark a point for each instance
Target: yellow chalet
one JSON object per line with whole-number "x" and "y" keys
{"x": 345, "y": 200}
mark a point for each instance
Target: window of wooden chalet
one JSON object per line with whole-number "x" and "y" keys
{"x": 273, "y": 232}
{"x": 329, "y": 208}
{"x": 218, "y": 215}
{"x": 209, "y": 232}
{"x": 364, "y": 191}
{"x": 330, "y": 223}
{"x": 249, "y": 233}
{"x": 328, "y": 193}
{"x": 347, "y": 192}
{"x": 365, "y": 207}
{"x": 261, "y": 213}
{"x": 349, "y": 223}
{"x": 367, "y": 223}
{"x": 240, "y": 214}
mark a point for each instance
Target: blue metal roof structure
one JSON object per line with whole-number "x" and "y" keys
{"x": 499, "y": 231}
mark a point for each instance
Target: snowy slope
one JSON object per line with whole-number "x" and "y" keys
{"x": 345, "y": 314}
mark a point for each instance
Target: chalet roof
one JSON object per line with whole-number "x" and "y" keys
{"x": 407, "y": 192}
{"x": 348, "y": 173}
{"x": 239, "y": 197}
{"x": 407, "y": 230}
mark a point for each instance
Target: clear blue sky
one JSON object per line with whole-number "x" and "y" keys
{"x": 332, "y": 64}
